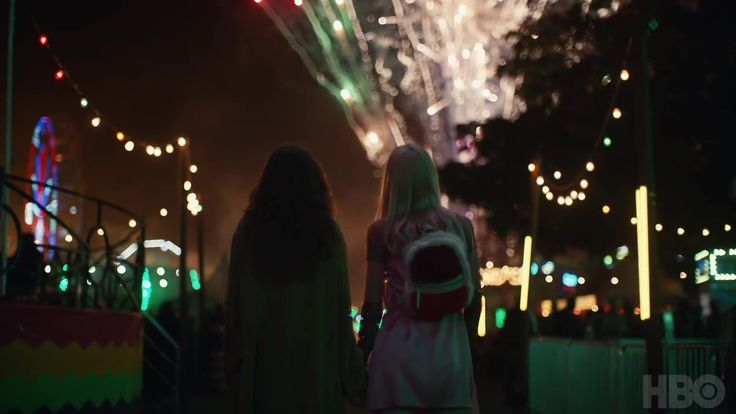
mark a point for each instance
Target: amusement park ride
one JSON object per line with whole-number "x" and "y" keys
{"x": 43, "y": 167}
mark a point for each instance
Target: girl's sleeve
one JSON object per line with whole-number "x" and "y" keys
{"x": 241, "y": 328}
{"x": 353, "y": 376}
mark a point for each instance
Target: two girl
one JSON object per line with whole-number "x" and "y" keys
{"x": 290, "y": 343}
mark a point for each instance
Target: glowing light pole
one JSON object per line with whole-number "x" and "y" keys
{"x": 642, "y": 245}
{"x": 525, "y": 270}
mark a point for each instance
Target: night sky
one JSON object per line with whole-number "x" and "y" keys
{"x": 215, "y": 71}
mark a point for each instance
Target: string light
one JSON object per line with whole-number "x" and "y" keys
{"x": 624, "y": 75}
{"x": 589, "y": 166}
{"x": 683, "y": 275}
{"x": 545, "y": 189}
{"x": 614, "y": 280}
{"x": 96, "y": 120}
{"x": 557, "y": 175}
{"x": 297, "y": 2}
{"x": 727, "y": 228}
{"x": 337, "y": 26}
{"x": 706, "y": 232}
{"x": 531, "y": 167}
{"x": 634, "y": 220}
{"x": 540, "y": 180}
{"x": 163, "y": 212}
{"x": 100, "y": 232}
{"x": 583, "y": 183}
{"x": 617, "y": 113}
{"x": 548, "y": 279}
{"x": 568, "y": 201}
{"x": 581, "y": 196}
{"x": 658, "y": 227}
{"x": 560, "y": 200}
{"x": 187, "y": 185}
{"x": 574, "y": 194}
{"x": 132, "y": 223}
{"x": 193, "y": 169}
{"x": 163, "y": 283}
{"x": 68, "y": 238}
{"x": 345, "y": 94}
{"x": 191, "y": 197}
{"x": 680, "y": 231}
{"x": 606, "y": 209}
{"x": 550, "y": 196}
{"x": 607, "y": 141}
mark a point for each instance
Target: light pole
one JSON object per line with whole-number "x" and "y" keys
{"x": 183, "y": 275}
{"x": 4, "y": 195}
{"x": 200, "y": 254}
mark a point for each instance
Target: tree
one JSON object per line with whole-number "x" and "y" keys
{"x": 571, "y": 61}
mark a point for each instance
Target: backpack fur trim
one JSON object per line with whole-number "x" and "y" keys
{"x": 437, "y": 238}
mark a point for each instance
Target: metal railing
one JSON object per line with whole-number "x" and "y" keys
{"x": 576, "y": 376}
{"x": 108, "y": 289}
{"x": 94, "y": 246}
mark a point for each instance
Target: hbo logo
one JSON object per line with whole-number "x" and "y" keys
{"x": 680, "y": 391}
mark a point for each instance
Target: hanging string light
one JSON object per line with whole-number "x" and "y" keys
{"x": 574, "y": 189}
{"x": 130, "y": 144}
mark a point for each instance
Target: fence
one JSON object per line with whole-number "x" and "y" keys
{"x": 570, "y": 376}
{"x": 89, "y": 271}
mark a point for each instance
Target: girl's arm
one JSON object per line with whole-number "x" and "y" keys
{"x": 374, "y": 290}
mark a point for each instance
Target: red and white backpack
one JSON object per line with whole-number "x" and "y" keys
{"x": 438, "y": 280}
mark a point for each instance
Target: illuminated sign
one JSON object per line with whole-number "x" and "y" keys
{"x": 718, "y": 264}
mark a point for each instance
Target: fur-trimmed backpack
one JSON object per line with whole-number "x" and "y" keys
{"x": 438, "y": 281}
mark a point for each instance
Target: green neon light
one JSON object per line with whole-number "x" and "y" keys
{"x": 64, "y": 284}
{"x": 195, "y": 279}
{"x": 500, "y": 317}
{"x": 145, "y": 290}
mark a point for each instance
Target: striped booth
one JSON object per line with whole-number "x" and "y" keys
{"x": 59, "y": 360}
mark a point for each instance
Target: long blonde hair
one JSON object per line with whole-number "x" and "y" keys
{"x": 410, "y": 196}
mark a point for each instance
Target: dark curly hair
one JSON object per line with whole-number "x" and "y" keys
{"x": 289, "y": 222}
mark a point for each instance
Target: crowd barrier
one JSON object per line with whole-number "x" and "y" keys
{"x": 575, "y": 376}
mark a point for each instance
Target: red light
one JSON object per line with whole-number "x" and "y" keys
{"x": 43, "y": 39}
{"x": 59, "y": 75}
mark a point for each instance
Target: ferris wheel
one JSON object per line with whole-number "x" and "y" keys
{"x": 43, "y": 168}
